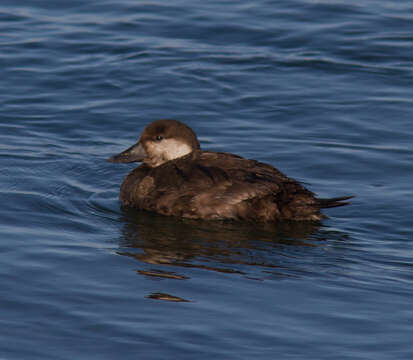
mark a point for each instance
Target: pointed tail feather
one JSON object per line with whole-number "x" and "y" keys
{"x": 334, "y": 202}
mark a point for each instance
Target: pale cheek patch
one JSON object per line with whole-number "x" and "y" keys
{"x": 165, "y": 150}
{"x": 174, "y": 149}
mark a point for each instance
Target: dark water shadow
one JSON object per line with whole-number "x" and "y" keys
{"x": 172, "y": 247}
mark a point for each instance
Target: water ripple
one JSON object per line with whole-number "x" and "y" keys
{"x": 321, "y": 90}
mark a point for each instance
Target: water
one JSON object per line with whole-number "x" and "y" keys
{"x": 320, "y": 89}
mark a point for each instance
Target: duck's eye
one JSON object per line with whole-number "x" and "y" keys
{"x": 159, "y": 138}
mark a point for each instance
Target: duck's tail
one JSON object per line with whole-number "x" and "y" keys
{"x": 334, "y": 202}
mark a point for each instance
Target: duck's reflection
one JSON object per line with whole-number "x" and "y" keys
{"x": 219, "y": 246}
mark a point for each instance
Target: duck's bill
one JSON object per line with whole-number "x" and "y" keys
{"x": 133, "y": 154}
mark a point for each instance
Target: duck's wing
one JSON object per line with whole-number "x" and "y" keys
{"x": 209, "y": 185}
{"x": 253, "y": 190}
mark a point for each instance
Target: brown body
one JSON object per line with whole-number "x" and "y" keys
{"x": 214, "y": 185}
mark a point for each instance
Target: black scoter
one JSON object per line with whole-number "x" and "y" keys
{"x": 177, "y": 178}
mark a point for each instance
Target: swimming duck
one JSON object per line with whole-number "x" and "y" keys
{"x": 177, "y": 178}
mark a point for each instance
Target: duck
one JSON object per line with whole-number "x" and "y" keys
{"x": 177, "y": 178}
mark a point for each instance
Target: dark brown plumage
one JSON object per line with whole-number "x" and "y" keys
{"x": 210, "y": 185}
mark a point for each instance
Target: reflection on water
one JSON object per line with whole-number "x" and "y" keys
{"x": 307, "y": 86}
{"x": 226, "y": 247}
{"x": 168, "y": 297}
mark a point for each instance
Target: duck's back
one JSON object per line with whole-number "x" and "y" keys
{"x": 211, "y": 185}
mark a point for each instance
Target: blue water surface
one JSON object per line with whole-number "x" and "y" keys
{"x": 320, "y": 89}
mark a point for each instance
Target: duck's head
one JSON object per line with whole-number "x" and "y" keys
{"x": 160, "y": 141}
